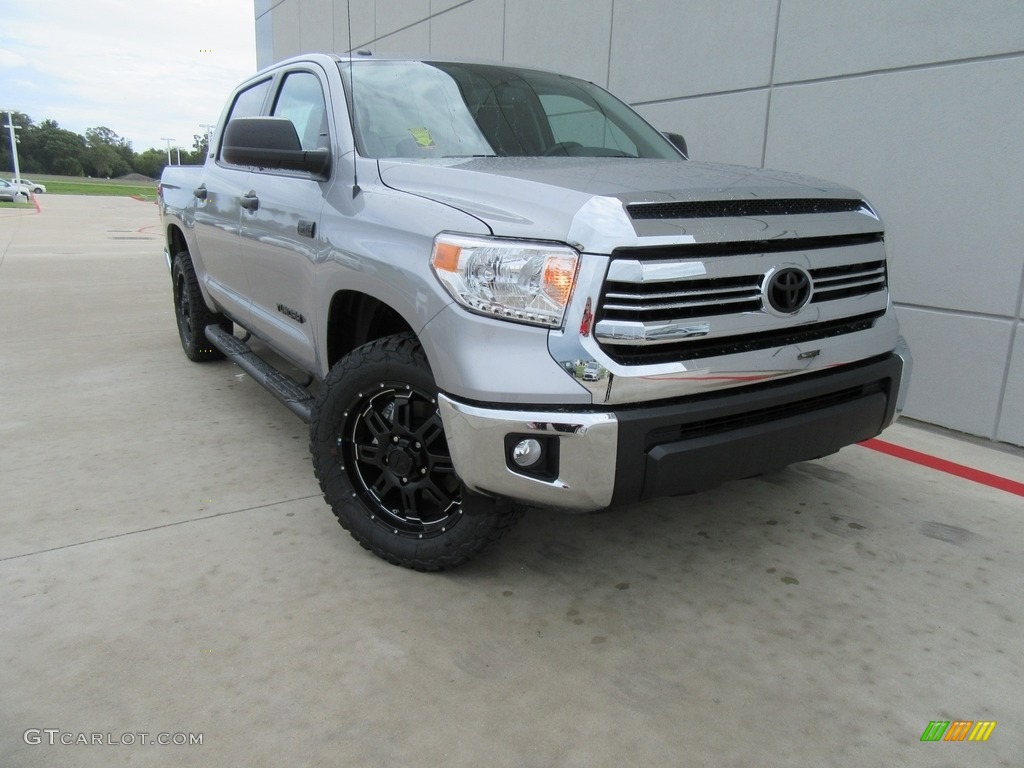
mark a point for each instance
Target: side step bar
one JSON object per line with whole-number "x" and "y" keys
{"x": 280, "y": 385}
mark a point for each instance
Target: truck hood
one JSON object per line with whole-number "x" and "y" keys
{"x": 545, "y": 198}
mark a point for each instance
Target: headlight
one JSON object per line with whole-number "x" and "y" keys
{"x": 511, "y": 279}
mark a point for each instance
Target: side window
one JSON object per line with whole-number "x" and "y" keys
{"x": 249, "y": 103}
{"x": 301, "y": 100}
{"x": 575, "y": 121}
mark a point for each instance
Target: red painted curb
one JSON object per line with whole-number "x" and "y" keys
{"x": 949, "y": 467}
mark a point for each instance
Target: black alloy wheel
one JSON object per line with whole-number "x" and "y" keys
{"x": 191, "y": 313}
{"x": 382, "y": 459}
{"x": 393, "y": 439}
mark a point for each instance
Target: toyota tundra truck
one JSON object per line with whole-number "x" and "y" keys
{"x": 443, "y": 249}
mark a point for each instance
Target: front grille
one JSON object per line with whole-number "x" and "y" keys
{"x": 711, "y": 209}
{"x": 833, "y": 283}
{"x": 690, "y": 301}
{"x": 686, "y": 299}
{"x": 680, "y": 299}
{"x": 732, "y": 345}
{"x": 748, "y": 247}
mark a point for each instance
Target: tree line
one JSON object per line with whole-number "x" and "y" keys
{"x": 47, "y": 148}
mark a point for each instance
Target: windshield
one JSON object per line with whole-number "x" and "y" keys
{"x": 431, "y": 109}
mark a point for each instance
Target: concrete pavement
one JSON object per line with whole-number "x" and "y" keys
{"x": 167, "y": 566}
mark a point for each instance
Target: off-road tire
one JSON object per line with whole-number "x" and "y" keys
{"x": 381, "y": 457}
{"x": 191, "y": 313}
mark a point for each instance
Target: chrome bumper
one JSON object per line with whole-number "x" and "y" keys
{"x": 675, "y": 446}
{"x": 902, "y": 351}
{"x": 587, "y": 445}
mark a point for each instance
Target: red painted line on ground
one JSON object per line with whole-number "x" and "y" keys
{"x": 949, "y": 467}
{"x": 35, "y": 199}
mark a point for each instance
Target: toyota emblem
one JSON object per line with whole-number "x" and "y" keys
{"x": 786, "y": 290}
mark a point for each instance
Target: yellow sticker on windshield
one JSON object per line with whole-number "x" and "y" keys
{"x": 423, "y": 137}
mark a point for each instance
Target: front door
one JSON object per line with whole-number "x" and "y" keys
{"x": 218, "y": 214}
{"x": 280, "y": 232}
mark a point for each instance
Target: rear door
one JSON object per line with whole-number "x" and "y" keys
{"x": 279, "y": 235}
{"x": 218, "y": 214}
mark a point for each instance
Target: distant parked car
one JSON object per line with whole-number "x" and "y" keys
{"x": 34, "y": 186}
{"x": 9, "y": 192}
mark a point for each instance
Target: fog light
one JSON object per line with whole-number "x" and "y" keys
{"x": 527, "y": 453}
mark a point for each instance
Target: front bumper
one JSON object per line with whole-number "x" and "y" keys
{"x": 622, "y": 455}
{"x": 587, "y": 444}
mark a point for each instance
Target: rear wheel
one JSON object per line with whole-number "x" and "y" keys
{"x": 381, "y": 457}
{"x": 191, "y": 312}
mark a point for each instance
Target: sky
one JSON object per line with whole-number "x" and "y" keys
{"x": 146, "y": 69}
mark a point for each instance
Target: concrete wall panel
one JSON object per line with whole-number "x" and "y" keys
{"x": 1011, "y": 422}
{"x": 265, "y": 40}
{"x": 933, "y": 149}
{"x": 958, "y": 367}
{"x": 363, "y": 27}
{"x": 664, "y": 49}
{"x": 411, "y": 41}
{"x": 317, "y": 18}
{"x": 393, "y": 15}
{"x": 474, "y": 31}
{"x": 724, "y": 129}
{"x": 287, "y": 30}
{"x": 437, "y": 6}
{"x": 822, "y": 38}
{"x": 535, "y": 36}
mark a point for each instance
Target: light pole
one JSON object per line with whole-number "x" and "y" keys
{"x": 168, "y": 148}
{"x": 209, "y": 134}
{"x": 14, "y": 144}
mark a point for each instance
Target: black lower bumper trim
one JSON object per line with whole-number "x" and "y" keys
{"x": 697, "y": 444}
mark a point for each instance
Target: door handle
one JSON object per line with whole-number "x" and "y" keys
{"x": 249, "y": 201}
{"x": 200, "y": 192}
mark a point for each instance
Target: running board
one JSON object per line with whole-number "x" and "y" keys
{"x": 296, "y": 398}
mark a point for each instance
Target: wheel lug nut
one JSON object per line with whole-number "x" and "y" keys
{"x": 394, "y": 439}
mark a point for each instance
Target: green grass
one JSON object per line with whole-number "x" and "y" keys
{"x": 5, "y": 204}
{"x": 72, "y": 185}
{"x": 100, "y": 187}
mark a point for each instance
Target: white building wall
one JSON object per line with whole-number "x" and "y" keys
{"x": 917, "y": 104}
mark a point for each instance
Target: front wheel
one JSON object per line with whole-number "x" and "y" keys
{"x": 380, "y": 454}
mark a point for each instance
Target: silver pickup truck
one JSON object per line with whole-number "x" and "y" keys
{"x": 443, "y": 249}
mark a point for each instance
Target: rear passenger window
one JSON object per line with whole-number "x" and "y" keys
{"x": 301, "y": 100}
{"x": 249, "y": 103}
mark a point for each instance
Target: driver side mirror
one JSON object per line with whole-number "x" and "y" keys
{"x": 678, "y": 142}
{"x": 271, "y": 143}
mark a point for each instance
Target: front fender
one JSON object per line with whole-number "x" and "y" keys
{"x": 379, "y": 244}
